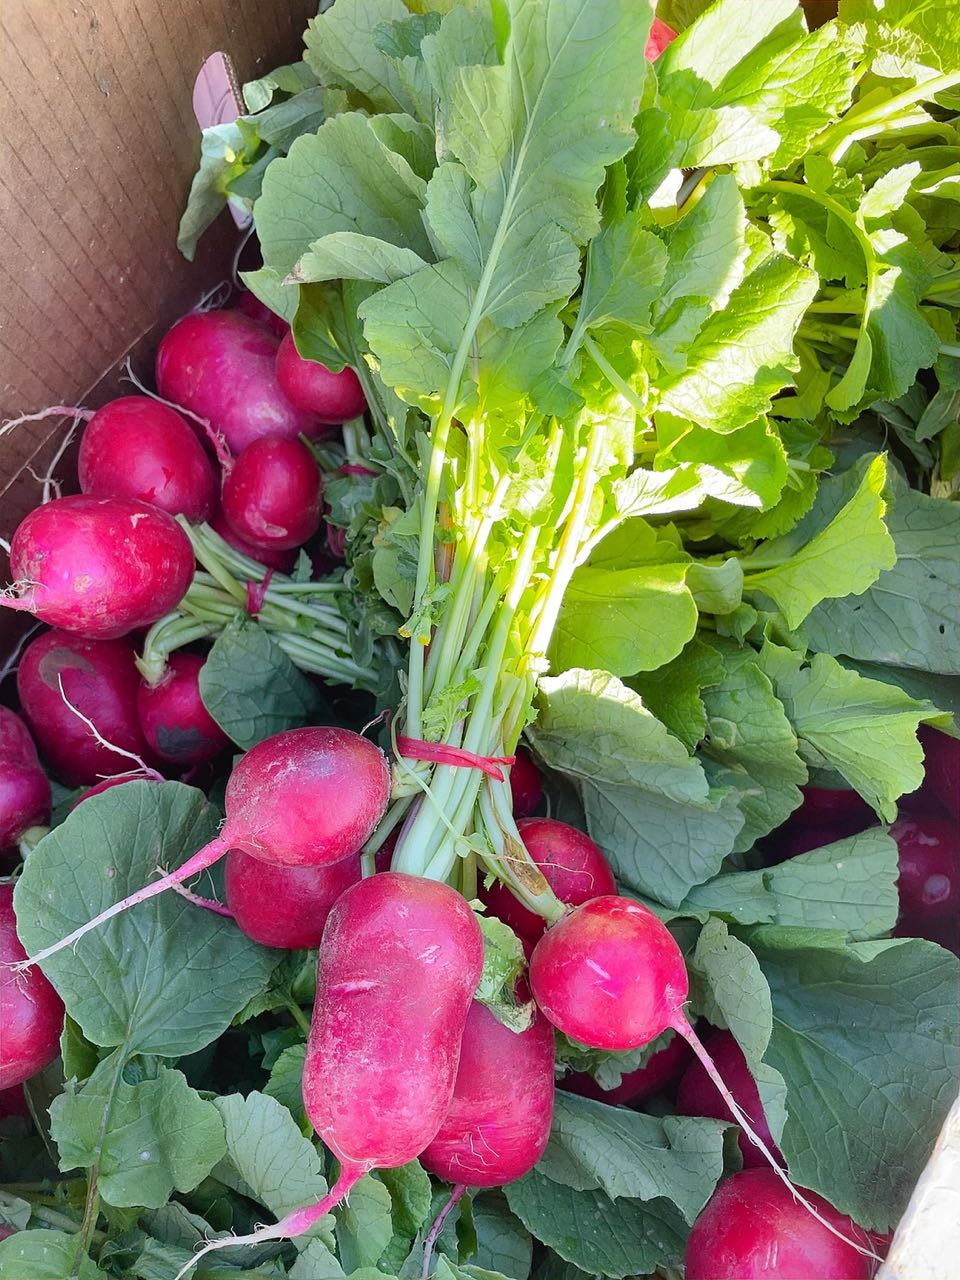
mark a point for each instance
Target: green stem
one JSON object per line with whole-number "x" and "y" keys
{"x": 299, "y": 1017}
{"x": 883, "y": 113}
{"x": 614, "y": 378}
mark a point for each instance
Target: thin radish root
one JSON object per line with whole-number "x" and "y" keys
{"x": 433, "y": 1234}
{"x": 142, "y": 767}
{"x": 208, "y": 904}
{"x": 77, "y": 412}
{"x": 223, "y": 454}
{"x": 215, "y": 297}
{"x": 13, "y": 661}
{"x": 294, "y": 1224}
{"x": 683, "y": 1028}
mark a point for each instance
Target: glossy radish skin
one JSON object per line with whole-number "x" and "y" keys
{"x": 100, "y": 567}
{"x": 752, "y": 1229}
{"x": 697, "y": 1094}
{"x": 16, "y": 742}
{"x": 332, "y": 397}
{"x": 400, "y": 960}
{"x": 136, "y": 447}
{"x": 271, "y": 498}
{"x": 281, "y": 561}
{"x": 573, "y": 865}
{"x": 221, "y": 366}
{"x": 31, "y": 1012}
{"x": 24, "y": 788}
{"x": 661, "y": 1070}
{"x": 942, "y": 765}
{"x": 285, "y": 906}
{"x": 929, "y": 881}
{"x": 498, "y": 1123}
{"x": 108, "y": 784}
{"x": 175, "y": 723}
{"x": 660, "y": 36}
{"x": 250, "y": 305}
{"x": 525, "y": 785}
{"x": 100, "y": 679}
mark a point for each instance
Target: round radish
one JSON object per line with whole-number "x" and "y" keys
{"x": 661, "y": 1069}
{"x": 660, "y": 36}
{"x": 281, "y": 561}
{"x": 16, "y": 742}
{"x": 99, "y": 566}
{"x": 222, "y": 366}
{"x": 792, "y": 840}
{"x": 942, "y": 765}
{"x": 271, "y": 498}
{"x": 175, "y": 723}
{"x": 31, "y": 1012}
{"x": 929, "y": 881}
{"x": 832, "y": 807}
{"x": 525, "y": 785}
{"x": 136, "y": 447}
{"x": 24, "y": 788}
{"x": 250, "y": 305}
{"x": 100, "y": 679}
{"x": 697, "y": 1095}
{"x": 753, "y": 1229}
{"x": 108, "y": 783}
{"x": 285, "y": 906}
{"x": 498, "y": 1122}
{"x": 13, "y": 1103}
{"x": 332, "y": 397}
{"x": 572, "y": 864}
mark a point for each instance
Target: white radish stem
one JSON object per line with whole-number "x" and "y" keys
{"x": 434, "y": 1233}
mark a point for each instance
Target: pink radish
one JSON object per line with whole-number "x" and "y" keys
{"x": 175, "y": 723}
{"x": 572, "y": 864}
{"x": 400, "y": 960}
{"x": 281, "y": 561}
{"x": 661, "y": 1069}
{"x": 660, "y": 36}
{"x": 285, "y": 906}
{"x": 525, "y": 785}
{"x": 109, "y": 783}
{"x": 31, "y": 1012}
{"x": 753, "y": 1229}
{"x": 98, "y": 566}
{"x": 61, "y": 675}
{"x": 697, "y": 1095}
{"x": 306, "y": 797}
{"x": 250, "y": 305}
{"x": 136, "y": 447}
{"x": 221, "y": 366}
{"x": 271, "y": 498}
{"x": 24, "y": 788}
{"x": 332, "y": 397}
{"x": 929, "y": 882}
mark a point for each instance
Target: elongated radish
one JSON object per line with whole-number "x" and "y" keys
{"x": 61, "y": 675}
{"x": 271, "y": 498}
{"x": 400, "y": 960}
{"x": 661, "y": 1069}
{"x": 285, "y": 906}
{"x": 698, "y": 1096}
{"x": 175, "y": 723}
{"x": 24, "y": 787}
{"x": 312, "y": 387}
{"x": 98, "y": 566}
{"x": 306, "y": 797}
{"x": 498, "y": 1123}
{"x": 31, "y": 1012}
{"x": 136, "y": 447}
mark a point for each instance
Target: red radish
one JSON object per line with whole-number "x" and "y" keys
{"x": 221, "y": 366}
{"x": 16, "y": 743}
{"x": 312, "y": 387}
{"x": 250, "y": 305}
{"x": 929, "y": 882}
{"x": 572, "y": 864}
{"x": 660, "y": 36}
{"x": 100, "y": 679}
{"x": 271, "y": 498}
{"x": 108, "y": 783}
{"x": 942, "y": 763}
{"x": 661, "y": 1069}
{"x": 175, "y": 723}
{"x": 281, "y": 561}
{"x": 697, "y": 1095}
{"x": 833, "y": 806}
{"x": 7, "y": 1232}
{"x": 498, "y": 1123}
{"x": 384, "y": 855}
{"x": 525, "y": 785}
{"x": 285, "y": 906}
{"x": 31, "y": 1012}
{"x": 792, "y": 840}
{"x": 24, "y": 788}
{"x": 753, "y": 1229}
{"x": 305, "y": 797}
{"x": 13, "y": 1103}
{"x": 400, "y": 960}
{"x": 136, "y": 447}
{"x": 99, "y": 566}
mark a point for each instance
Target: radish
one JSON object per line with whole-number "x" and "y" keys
{"x": 285, "y": 906}
{"x": 249, "y": 304}
{"x": 108, "y": 783}
{"x": 660, "y": 1070}
{"x": 332, "y": 397}
{"x": 31, "y": 1012}
{"x": 25, "y": 797}
{"x": 136, "y": 447}
{"x": 929, "y": 881}
{"x": 282, "y": 561}
{"x": 942, "y": 763}
{"x": 753, "y": 1229}
{"x": 525, "y": 785}
{"x": 175, "y": 723}
{"x": 572, "y": 864}
{"x": 305, "y": 797}
{"x": 660, "y": 36}
{"x": 99, "y": 679}
{"x": 697, "y": 1095}
{"x": 498, "y": 1123}
{"x": 400, "y": 960}
{"x": 13, "y": 1103}
{"x": 792, "y": 840}
{"x": 271, "y": 498}
{"x": 221, "y": 366}
{"x": 99, "y": 566}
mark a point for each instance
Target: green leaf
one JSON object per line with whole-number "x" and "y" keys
{"x": 624, "y": 269}
{"x": 344, "y": 255}
{"x": 364, "y": 1225}
{"x": 503, "y": 962}
{"x": 866, "y": 1038}
{"x": 251, "y": 688}
{"x": 503, "y": 1242}
{"x": 843, "y": 558}
{"x": 221, "y": 158}
{"x": 746, "y": 467}
{"x": 289, "y": 79}
{"x": 410, "y": 1196}
{"x": 343, "y": 49}
{"x": 148, "y": 1139}
{"x": 673, "y": 693}
{"x": 45, "y": 1255}
{"x": 286, "y": 1082}
{"x": 164, "y": 977}
{"x": 743, "y": 355}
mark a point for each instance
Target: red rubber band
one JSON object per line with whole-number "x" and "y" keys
{"x": 441, "y": 753}
{"x": 257, "y": 593}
